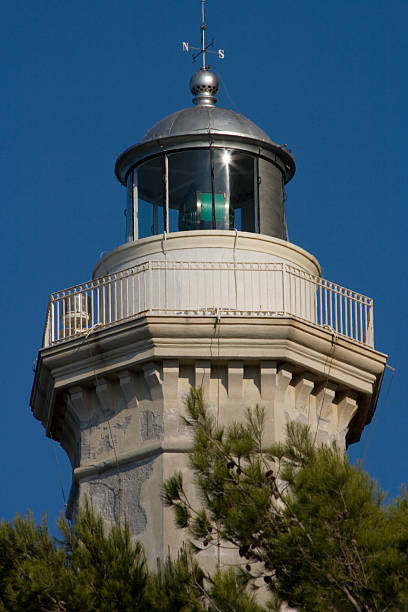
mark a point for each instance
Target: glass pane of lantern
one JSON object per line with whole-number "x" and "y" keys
{"x": 150, "y": 211}
{"x": 234, "y": 174}
{"x": 223, "y": 214}
{"x": 271, "y": 219}
{"x": 189, "y": 177}
{"x": 211, "y": 189}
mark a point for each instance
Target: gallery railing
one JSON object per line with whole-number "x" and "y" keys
{"x": 205, "y": 289}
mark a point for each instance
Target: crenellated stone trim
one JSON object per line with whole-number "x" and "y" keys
{"x": 104, "y": 393}
{"x": 152, "y": 376}
{"x": 269, "y": 373}
{"x": 346, "y": 409}
{"x": 127, "y": 381}
{"x": 284, "y": 377}
{"x": 171, "y": 373}
{"x": 303, "y": 388}
{"x": 202, "y": 376}
{"x": 235, "y": 378}
{"x": 79, "y": 401}
{"x": 325, "y": 394}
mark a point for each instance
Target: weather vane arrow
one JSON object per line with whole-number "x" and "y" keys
{"x": 204, "y": 49}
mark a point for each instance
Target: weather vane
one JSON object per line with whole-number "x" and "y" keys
{"x": 204, "y": 49}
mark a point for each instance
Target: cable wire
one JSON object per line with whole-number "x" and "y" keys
{"x": 112, "y": 441}
{"x": 53, "y": 443}
{"x": 329, "y": 360}
{"x": 234, "y": 106}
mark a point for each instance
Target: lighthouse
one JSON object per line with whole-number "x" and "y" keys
{"x": 208, "y": 292}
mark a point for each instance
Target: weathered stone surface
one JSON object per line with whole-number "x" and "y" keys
{"x": 116, "y": 494}
{"x": 117, "y": 408}
{"x": 151, "y": 425}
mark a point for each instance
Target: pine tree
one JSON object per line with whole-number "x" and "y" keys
{"x": 94, "y": 569}
{"x": 89, "y": 569}
{"x": 313, "y": 527}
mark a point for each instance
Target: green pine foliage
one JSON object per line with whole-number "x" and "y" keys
{"x": 90, "y": 569}
{"x": 314, "y": 528}
{"x": 228, "y": 592}
{"x": 94, "y": 569}
{"x": 177, "y": 585}
{"x": 111, "y": 569}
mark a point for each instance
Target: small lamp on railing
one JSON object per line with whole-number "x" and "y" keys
{"x": 76, "y": 310}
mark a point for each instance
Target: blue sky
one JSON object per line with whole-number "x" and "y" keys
{"x": 82, "y": 81}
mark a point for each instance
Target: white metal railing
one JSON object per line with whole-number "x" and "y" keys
{"x": 200, "y": 289}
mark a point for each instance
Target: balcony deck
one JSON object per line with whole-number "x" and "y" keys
{"x": 227, "y": 289}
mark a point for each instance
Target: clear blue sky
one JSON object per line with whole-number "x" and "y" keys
{"x": 82, "y": 81}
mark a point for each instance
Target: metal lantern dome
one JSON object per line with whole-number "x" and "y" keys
{"x": 205, "y": 168}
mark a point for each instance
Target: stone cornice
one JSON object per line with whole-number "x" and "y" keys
{"x": 248, "y": 339}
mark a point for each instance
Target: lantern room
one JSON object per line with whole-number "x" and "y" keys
{"x": 205, "y": 168}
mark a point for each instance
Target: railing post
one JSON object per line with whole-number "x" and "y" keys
{"x": 283, "y": 287}
{"x": 48, "y": 336}
{"x": 370, "y": 326}
{"x": 150, "y": 287}
{"x": 51, "y": 315}
{"x": 61, "y": 318}
{"x": 166, "y": 301}
{"x": 92, "y": 299}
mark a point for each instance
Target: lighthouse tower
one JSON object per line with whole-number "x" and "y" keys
{"x": 206, "y": 292}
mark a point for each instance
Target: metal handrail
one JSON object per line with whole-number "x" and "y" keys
{"x": 202, "y": 288}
